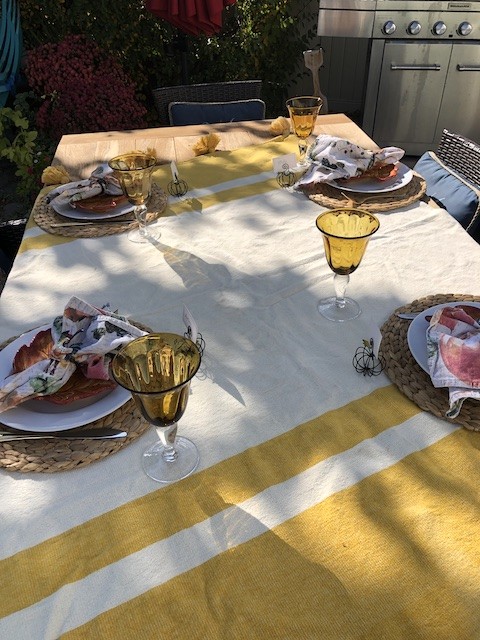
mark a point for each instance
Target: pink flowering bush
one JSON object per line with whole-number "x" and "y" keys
{"x": 82, "y": 89}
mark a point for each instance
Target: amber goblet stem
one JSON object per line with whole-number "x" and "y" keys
{"x": 140, "y": 212}
{"x": 302, "y": 148}
{"x": 167, "y": 438}
{"x": 340, "y": 283}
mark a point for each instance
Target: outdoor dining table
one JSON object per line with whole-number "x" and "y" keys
{"x": 327, "y": 504}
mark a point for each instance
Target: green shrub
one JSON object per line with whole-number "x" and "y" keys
{"x": 261, "y": 39}
{"x": 23, "y": 147}
{"x": 82, "y": 89}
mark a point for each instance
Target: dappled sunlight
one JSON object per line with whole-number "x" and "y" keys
{"x": 325, "y": 501}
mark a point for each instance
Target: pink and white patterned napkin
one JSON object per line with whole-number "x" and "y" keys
{"x": 453, "y": 344}
{"x": 84, "y": 337}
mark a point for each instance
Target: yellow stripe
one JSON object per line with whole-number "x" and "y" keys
{"x": 395, "y": 556}
{"x": 237, "y": 193}
{"x": 202, "y": 172}
{"x": 209, "y": 170}
{"x": 223, "y": 166}
{"x": 142, "y": 522}
{"x": 42, "y": 242}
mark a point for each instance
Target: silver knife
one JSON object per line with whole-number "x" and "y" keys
{"x": 411, "y": 316}
{"x": 406, "y": 316}
{"x": 90, "y": 222}
{"x": 77, "y": 434}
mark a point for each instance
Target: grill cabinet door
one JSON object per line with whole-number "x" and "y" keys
{"x": 410, "y": 92}
{"x": 459, "y": 112}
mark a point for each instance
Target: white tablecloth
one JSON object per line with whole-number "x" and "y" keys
{"x": 326, "y": 505}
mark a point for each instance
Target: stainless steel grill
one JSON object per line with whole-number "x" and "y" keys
{"x": 423, "y": 66}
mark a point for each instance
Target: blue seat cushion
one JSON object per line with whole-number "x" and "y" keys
{"x": 181, "y": 113}
{"x": 449, "y": 190}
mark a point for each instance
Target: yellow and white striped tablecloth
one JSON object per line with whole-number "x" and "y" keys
{"x": 326, "y": 505}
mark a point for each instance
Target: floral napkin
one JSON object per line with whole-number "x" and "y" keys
{"x": 453, "y": 344}
{"x": 101, "y": 181}
{"x": 334, "y": 158}
{"x": 84, "y": 337}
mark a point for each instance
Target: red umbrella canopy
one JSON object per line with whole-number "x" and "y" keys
{"x": 191, "y": 16}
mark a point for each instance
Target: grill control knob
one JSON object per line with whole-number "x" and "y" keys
{"x": 389, "y": 28}
{"x": 439, "y": 28}
{"x": 414, "y": 28}
{"x": 464, "y": 29}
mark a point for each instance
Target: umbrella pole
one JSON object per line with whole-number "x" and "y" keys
{"x": 182, "y": 46}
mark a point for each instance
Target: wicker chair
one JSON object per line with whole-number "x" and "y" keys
{"x": 463, "y": 156}
{"x": 460, "y": 154}
{"x": 208, "y": 92}
{"x": 452, "y": 174}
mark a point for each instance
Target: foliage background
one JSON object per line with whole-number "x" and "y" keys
{"x": 62, "y": 89}
{"x": 261, "y": 39}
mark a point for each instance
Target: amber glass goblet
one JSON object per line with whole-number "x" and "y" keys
{"x": 303, "y": 114}
{"x": 133, "y": 171}
{"x": 157, "y": 370}
{"x": 346, "y": 233}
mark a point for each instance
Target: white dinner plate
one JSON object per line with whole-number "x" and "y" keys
{"x": 403, "y": 177}
{"x": 65, "y": 210}
{"x": 46, "y": 416}
{"x": 417, "y": 331}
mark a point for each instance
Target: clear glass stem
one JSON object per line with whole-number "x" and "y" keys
{"x": 340, "y": 283}
{"x": 167, "y": 438}
{"x": 302, "y": 148}
{"x": 140, "y": 212}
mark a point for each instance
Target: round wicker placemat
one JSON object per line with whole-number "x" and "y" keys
{"x": 328, "y": 196}
{"x": 410, "y": 378}
{"x": 45, "y": 217}
{"x": 49, "y": 456}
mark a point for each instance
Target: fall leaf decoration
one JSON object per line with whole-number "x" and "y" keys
{"x": 280, "y": 127}
{"x": 40, "y": 348}
{"x": 206, "y": 144}
{"x": 55, "y": 175}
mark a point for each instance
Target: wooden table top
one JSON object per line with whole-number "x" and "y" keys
{"x": 81, "y": 153}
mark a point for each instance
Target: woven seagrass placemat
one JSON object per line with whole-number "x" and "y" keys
{"x": 49, "y": 456}
{"x": 45, "y": 217}
{"x": 410, "y": 378}
{"x": 328, "y": 196}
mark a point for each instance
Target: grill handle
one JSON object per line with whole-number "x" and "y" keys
{"x": 468, "y": 67}
{"x": 415, "y": 67}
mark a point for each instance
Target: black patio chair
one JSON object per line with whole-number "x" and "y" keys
{"x": 215, "y": 92}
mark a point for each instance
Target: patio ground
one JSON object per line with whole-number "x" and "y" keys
{"x": 11, "y": 205}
